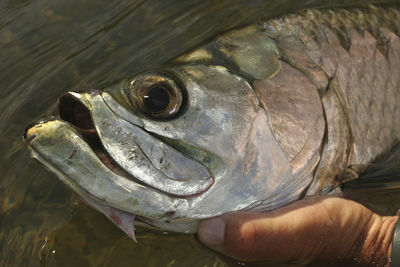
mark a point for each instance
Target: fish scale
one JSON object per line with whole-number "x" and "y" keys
{"x": 345, "y": 51}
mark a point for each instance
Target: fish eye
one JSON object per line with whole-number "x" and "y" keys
{"x": 156, "y": 96}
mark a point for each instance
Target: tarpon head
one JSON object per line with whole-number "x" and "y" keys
{"x": 171, "y": 146}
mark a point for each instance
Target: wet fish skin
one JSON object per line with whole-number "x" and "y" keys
{"x": 352, "y": 57}
{"x": 275, "y": 111}
{"x": 340, "y": 52}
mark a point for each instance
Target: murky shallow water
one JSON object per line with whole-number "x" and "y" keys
{"x": 48, "y": 47}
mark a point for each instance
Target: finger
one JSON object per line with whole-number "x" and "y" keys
{"x": 301, "y": 232}
{"x": 248, "y": 236}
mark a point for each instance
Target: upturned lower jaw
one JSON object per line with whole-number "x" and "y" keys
{"x": 61, "y": 148}
{"x": 126, "y": 221}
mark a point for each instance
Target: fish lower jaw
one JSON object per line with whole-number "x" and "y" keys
{"x": 124, "y": 220}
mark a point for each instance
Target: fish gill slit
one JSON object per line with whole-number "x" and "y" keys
{"x": 324, "y": 143}
{"x": 321, "y": 91}
{"x": 245, "y": 141}
{"x": 347, "y": 118}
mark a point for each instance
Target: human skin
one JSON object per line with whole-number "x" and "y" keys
{"x": 326, "y": 230}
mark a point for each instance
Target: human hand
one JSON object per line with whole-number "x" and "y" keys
{"x": 321, "y": 230}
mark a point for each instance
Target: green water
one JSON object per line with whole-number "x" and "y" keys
{"x": 48, "y": 47}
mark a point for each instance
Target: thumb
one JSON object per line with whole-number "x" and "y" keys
{"x": 246, "y": 236}
{"x": 304, "y": 231}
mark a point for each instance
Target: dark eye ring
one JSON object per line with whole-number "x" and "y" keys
{"x": 156, "y": 95}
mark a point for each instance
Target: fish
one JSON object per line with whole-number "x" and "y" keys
{"x": 258, "y": 117}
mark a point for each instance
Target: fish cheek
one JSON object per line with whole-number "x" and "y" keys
{"x": 220, "y": 111}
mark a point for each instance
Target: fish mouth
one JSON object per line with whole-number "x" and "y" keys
{"x": 122, "y": 217}
{"x": 74, "y": 112}
{"x": 126, "y": 221}
{"x": 71, "y": 110}
{"x": 76, "y": 130}
{"x": 164, "y": 167}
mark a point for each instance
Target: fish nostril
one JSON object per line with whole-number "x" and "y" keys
{"x": 28, "y": 137}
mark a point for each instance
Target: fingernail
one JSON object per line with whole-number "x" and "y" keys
{"x": 211, "y": 232}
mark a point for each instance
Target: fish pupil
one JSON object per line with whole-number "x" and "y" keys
{"x": 156, "y": 99}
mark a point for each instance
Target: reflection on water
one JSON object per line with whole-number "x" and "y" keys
{"x": 48, "y": 47}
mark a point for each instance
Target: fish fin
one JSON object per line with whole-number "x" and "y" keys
{"x": 382, "y": 175}
{"x": 124, "y": 220}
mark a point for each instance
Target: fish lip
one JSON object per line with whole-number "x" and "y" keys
{"x": 25, "y": 137}
{"x": 29, "y": 139}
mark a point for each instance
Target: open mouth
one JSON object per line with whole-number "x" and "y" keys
{"x": 73, "y": 111}
{"x": 90, "y": 150}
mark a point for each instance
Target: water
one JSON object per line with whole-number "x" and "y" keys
{"x": 48, "y": 47}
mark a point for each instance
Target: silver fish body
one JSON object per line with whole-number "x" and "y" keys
{"x": 257, "y": 118}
